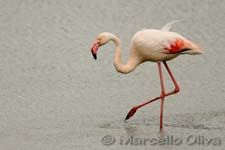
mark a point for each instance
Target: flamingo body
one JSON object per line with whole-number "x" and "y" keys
{"x": 150, "y": 45}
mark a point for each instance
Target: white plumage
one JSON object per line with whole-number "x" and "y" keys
{"x": 149, "y": 45}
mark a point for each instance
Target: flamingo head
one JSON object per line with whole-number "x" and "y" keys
{"x": 101, "y": 39}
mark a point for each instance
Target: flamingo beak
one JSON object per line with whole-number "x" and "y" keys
{"x": 94, "y": 49}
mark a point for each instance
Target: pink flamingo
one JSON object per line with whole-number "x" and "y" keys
{"x": 150, "y": 45}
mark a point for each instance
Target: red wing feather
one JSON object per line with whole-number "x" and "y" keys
{"x": 176, "y": 46}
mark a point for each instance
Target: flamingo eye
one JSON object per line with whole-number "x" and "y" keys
{"x": 98, "y": 41}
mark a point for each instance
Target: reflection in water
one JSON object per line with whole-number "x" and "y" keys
{"x": 198, "y": 121}
{"x": 191, "y": 128}
{"x": 130, "y": 129}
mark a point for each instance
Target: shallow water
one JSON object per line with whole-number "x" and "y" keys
{"x": 53, "y": 95}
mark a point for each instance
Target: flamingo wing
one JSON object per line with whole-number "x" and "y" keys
{"x": 176, "y": 46}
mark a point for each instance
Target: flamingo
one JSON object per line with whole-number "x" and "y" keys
{"x": 151, "y": 45}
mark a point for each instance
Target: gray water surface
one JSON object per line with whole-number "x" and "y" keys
{"x": 54, "y": 95}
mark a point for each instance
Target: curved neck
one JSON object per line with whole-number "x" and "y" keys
{"x": 132, "y": 62}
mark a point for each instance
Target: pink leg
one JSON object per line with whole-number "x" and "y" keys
{"x": 176, "y": 90}
{"x": 162, "y": 95}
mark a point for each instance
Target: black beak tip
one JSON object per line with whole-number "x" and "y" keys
{"x": 95, "y": 56}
